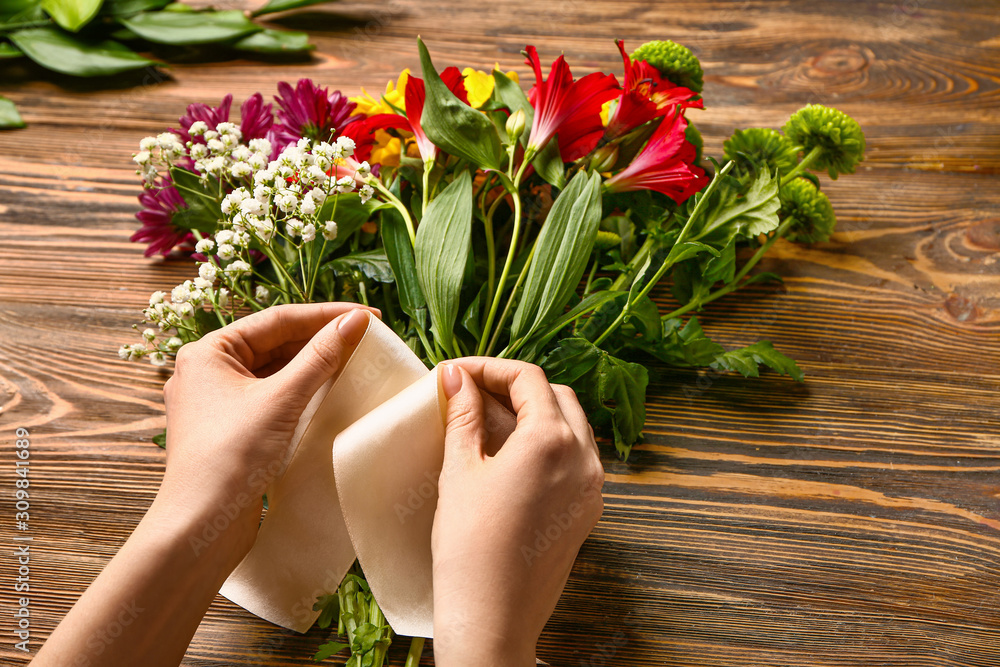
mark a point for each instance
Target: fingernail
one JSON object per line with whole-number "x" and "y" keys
{"x": 353, "y": 326}
{"x": 451, "y": 380}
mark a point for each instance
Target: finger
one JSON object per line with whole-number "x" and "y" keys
{"x": 256, "y": 335}
{"x": 531, "y": 397}
{"x": 324, "y": 355}
{"x": 465, "y": 429}
{"x": 574, "y": 415}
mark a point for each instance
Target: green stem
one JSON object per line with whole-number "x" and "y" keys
{"x": 416, "y": 651}
{"x": 510, "y": 300}
{"x": 426, "y": 194}
{"x": 634, "y": 264}
{"x": 510, "y": 256}
{"x": 735, "y": 284}
{"x": 667, "y": 263}
{"x": 398, "y": 205}
{"x": 590, "y": 277}
{"x": 801, "y": 166}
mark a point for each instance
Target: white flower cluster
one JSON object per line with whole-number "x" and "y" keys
{"x": 220, "y": 153}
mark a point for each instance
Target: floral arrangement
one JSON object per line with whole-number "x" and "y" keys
{"x": 484, "y": 220}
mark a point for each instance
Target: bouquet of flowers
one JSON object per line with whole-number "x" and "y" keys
{"x": 485, "y": 220}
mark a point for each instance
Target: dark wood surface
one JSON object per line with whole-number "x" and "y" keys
{"x": 849, "y": 520}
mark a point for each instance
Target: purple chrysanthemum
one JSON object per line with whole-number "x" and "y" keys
{"x": 157, "y": 218}
{"x": 309, "y": 111}
{"x": 211, "y": 116}
{"x": 256, "y": 118}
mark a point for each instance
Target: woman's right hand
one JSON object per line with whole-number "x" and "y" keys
{"x": 508, "y": 527}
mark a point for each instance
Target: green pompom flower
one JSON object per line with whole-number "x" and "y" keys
{"x": 761, "y": 145}
{"x": 606, "y": 240}
{"x": 831, "y": 139}
{"x": 674, "y": 61}
{"x": 808, "y": 209}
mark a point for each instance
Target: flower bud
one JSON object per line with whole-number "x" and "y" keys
{"x": 515, "y": 125}
{"x": 604, "y": 158}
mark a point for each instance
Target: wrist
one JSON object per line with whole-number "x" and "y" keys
{"x": 461, "y": 643}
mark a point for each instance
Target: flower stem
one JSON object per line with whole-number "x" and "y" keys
{"x": 510, "y": 300}
{"x": 801, "y": 166}
{"x": 399, "y": 207}
{"x": 735, "y": 284}
{"x": 637, "y": 261}
{"x": 426, "y": 194}
{"x": 416, "y": 651}
{"x": 510, "y": 257}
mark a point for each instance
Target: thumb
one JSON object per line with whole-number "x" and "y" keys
{"x": 465, "y": 428}
{"x": 324, "y": 356}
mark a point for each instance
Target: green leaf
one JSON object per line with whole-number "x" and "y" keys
{"x": 747, "y": 360}
{"x": 8, "y": 50}
{"x": 72, "y": 14}
{"x": 370, "y": 263}
{"x": 561, "y": 252}
{"x": 396, "y": 240}
{"x": 454, "y": 126}
{"x": 203, "y": 212}
{"x": 689, "y": 249}
{"x": 589, "y": 303}
{"x": 549, "y": 165}
{"x": 472, "y": 318}
{"x": 130, "y": 7}
{"x": 9, "y": 117}
{"x": 284, "y": 5}
{"x": 328, "y": 606}
{"x": 349, "y": 213}
{"x": 275, "y": 41}
{"x": 685, "y": 347}
{"x": 191, "y": 27}
{"x": 510, "y": 95}
{"x": 726, "y": 215}
{"x": 444, "y": 240}
{"x": 330, "y": 649}
{"x": 55, "y": 50}
{"x": 160, "y": 439}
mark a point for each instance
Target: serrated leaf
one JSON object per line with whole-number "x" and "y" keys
{"x": 53, "y": 49}
{"x": 454, "y": 126}
{"x": 747, "y": 360}
{"x": 72, "y": 14}
{"x": 444, "y": 240}
{"x": 727, "y": 215}
{"x": 329, "y": 650}
{"x": 685, "y": 346}
{"x": 284, "y": 5}
{"x": 191, "y": 27}
{"x": 9, "y": 117}
{"x": 160, "y": 439}
{"x": 328, "y": 606}
{"x": 562, "y": 249}
{"x": 372, "y": 264}
{"x": 275, "y": 41}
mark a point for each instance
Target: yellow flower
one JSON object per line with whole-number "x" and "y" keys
{"x": 386, "y": 149}
{"x": 394, "y": 95}
{"x": 479, "y": 84}
{"x": 606, "y": 111}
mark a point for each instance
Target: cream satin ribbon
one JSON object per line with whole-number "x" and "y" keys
{"x": 373, "y": 499}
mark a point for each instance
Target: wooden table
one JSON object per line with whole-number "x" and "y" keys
{"x": 849, "y": 520}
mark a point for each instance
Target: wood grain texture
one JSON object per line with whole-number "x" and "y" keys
{"x": 849, "y": 520}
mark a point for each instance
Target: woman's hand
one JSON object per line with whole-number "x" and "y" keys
{"x": 508, "y": 527}
{"x": 232, "y": 408}
{"x": 236, "y": 396}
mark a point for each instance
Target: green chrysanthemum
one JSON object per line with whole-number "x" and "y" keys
{"x": 606, "y": 240}
{"x": 760, "y": 145}
{"x": 809, "y": 209}
{"x": 675, "y": 62}
{"x": 836, "y": 138}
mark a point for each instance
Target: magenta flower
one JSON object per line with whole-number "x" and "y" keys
{"x": 211, "y": 116}
{"x": 309, "y": 111}
{"x": 664, "y": 165}
{"x": 157, "y": 217}
{"x": 256, "y": 118}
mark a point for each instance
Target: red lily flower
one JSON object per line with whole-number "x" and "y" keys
{"x": 567, "y": 108}
{"x": 664, "y": 165}
{"x": 414, "y": 98}
{"x": 647, "y": 95}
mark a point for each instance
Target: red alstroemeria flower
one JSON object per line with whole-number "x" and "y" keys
{"x": 311, "y": 112}
{"x": 363, "y": 133}
{"x": 647, "y": 95}
{"x": 157, "y": 218}
{"x": 664, "y": 164}
{"x": 414, "y": 98}
{"x": 567, "y": 108}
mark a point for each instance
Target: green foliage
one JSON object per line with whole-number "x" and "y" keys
{"x": 453, "y": 125}
{"x": 275, "y": 6}
{"x": 748, "y": 360}
{"x": 371, "y": 264}
{"x": 809, "y": 210}
{"x": 726, "y": 214}
{"x": 9, "y": 117}
{"x": 203, "y": 211}
{"x": 182, "y": 28}
{"x": 56, "y": 50}
{"x": 72, "y": 14}
{"x": 275, "y": 41}
{"x": 443, "y": 243}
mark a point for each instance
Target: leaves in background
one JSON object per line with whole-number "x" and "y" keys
{"x": 329, "y": 650}
{"x": 275, "y": 41}
{"x": 549, "y": 165}
{"x": 400, "y": 254}
{"x": 9, "y": 117}
{"x": 191, "y": 27}
{"x": 54, "y": 49}
{"x": 8, "y": 50}
{"x": 284, "y": 5}
{"x": 370, "y": 263}
{"x": 203, "y": 211}
{"x": 444, "y": 240}
{"x": 510, "y": 95}
{"x": 454, "y": 126}
{"x": 726, "y": 214}
{"x": 610, "y": 389}
{"x": 129, "y": 7}
{"x": 562, "y": 249}
{"x": 72, "y": 14}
